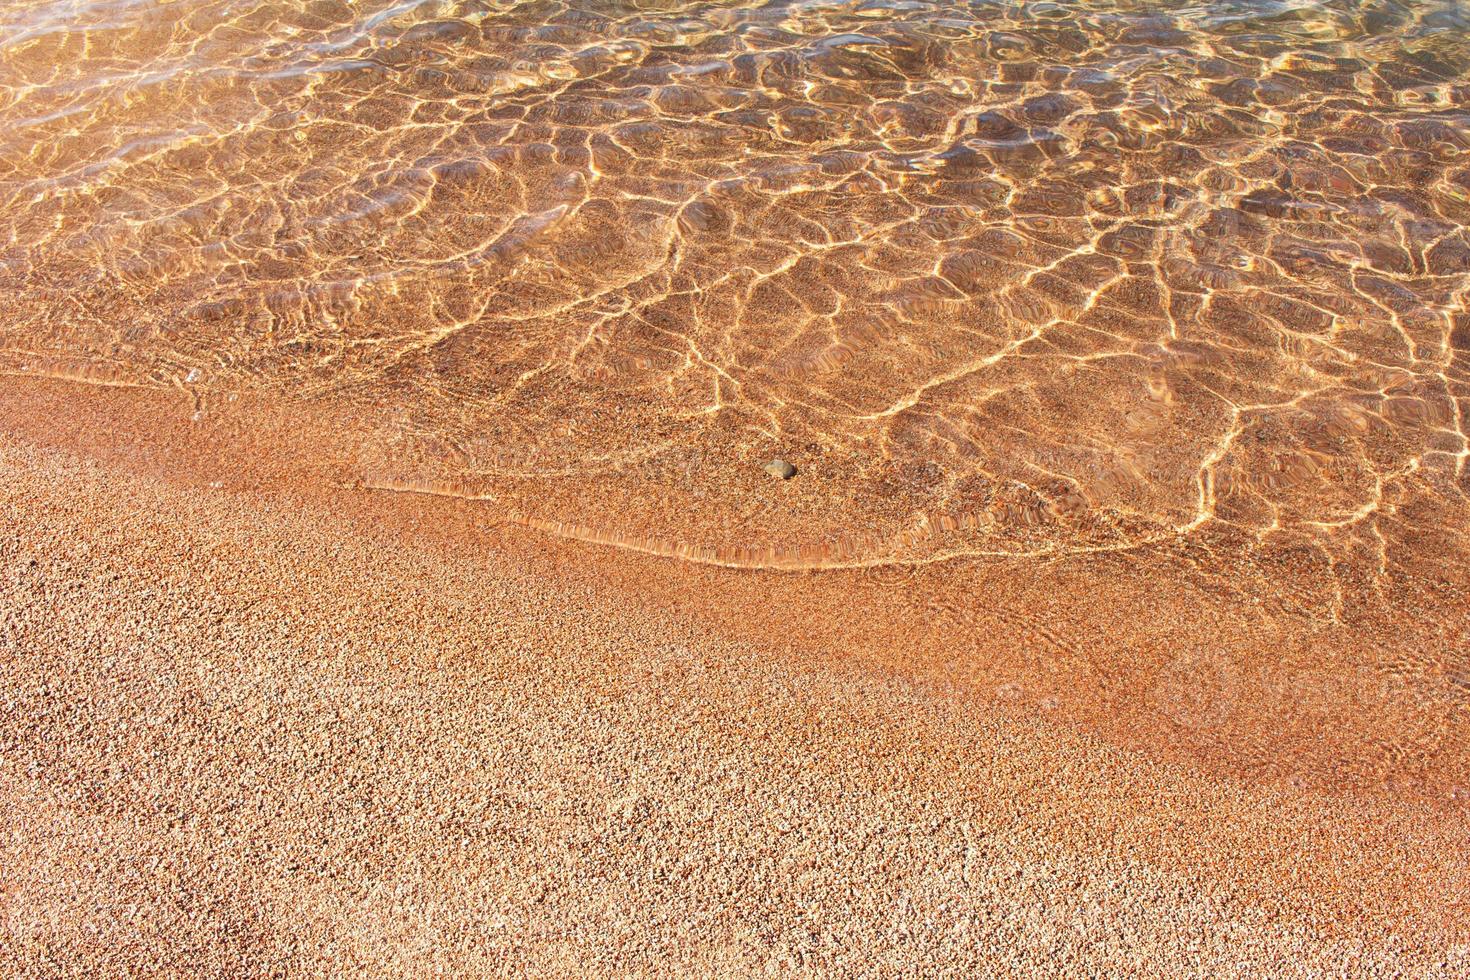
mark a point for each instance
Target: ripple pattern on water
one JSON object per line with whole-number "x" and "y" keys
{"x": 998, "y": 278}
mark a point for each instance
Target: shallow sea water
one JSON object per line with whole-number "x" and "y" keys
{"x": 999, "y": 279}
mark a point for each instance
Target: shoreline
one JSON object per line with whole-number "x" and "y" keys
{"x": 1095, "y": 641}
{"x": 290, "y": 719}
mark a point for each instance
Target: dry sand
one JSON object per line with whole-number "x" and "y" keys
{"x": 257, "y": 725}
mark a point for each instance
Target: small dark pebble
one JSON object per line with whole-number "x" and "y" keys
{"x": 780, "y": 468}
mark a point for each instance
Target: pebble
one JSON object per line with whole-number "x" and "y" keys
{"x": 780, "y": 468}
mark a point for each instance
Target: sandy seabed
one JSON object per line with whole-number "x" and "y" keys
{"x": 259, "y": 721}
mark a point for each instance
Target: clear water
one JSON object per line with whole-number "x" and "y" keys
{"x": 998, "y": 279}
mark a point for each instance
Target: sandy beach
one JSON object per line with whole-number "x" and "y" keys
{"x": 260, "y": 726}
{"x": 727, "y": 488}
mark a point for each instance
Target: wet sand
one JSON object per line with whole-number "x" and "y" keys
{"x": 260, "y": 720}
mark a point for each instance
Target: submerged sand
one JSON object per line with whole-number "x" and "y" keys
{"x": 258, "y": 721}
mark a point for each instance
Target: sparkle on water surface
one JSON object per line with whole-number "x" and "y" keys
{"x": 998, "y": 278}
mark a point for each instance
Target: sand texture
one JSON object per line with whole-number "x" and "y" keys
{"x": 734, "y": 488}
{"x": 268, "y": 726}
